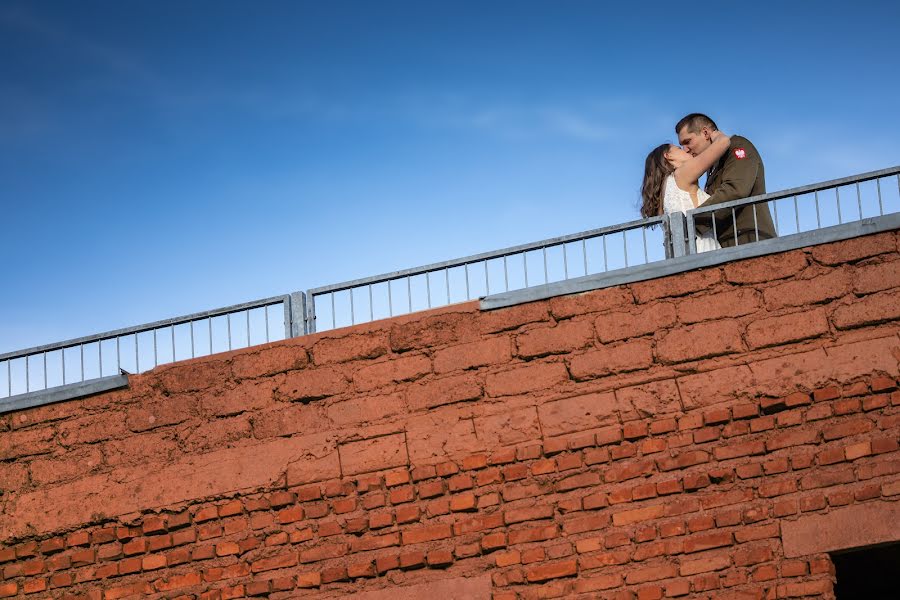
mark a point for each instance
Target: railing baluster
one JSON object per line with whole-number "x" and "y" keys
{"x": 28, "y": 378}
{"x": 228, "y": 324}
{"x": 390, "y": 300}
{"x": 371, "y": 305}
{"x": 137, "y": 360}
{"x": 505, "y": 274}
{"x": 45, "y": 370}
{"x": 837, "y": 195}
{"x": 818, "y": 218}
{"x": 447, "y": 281}
{"x": 796, "y": 214}
{"x": 755, "y": 224}
{"x": 466, "y": 269}
{"x": 565, "y": 262}
{"x": 155, "y": 361}
{"x": 584, "y": 255}
{"x": 775, "y": 212}
{"x": 210, "y": 335}
{"x": 734, "y": 226}
{"x": 525, "y": 266}
{"x": 644, "y": 236}
{"x": 625, "y": 247}
{"x": 409, "y": 292}
{"x": 192, "y": 331}
{"x": 173, "y": 335}
{"x": 428, "y": 287}
{"x": 352, "y": 312}
{"x": 487, "y": 281}
{"x": 333, "y": 317}
{"x": 880, "y": 205}
{"x": 81, "y": 355}
{"x": 605, "y": 261}
{"x": 544, "y": 250}
{"x": 859, "y": 201}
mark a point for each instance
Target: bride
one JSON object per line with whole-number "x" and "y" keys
{"x": 670, "y": 182}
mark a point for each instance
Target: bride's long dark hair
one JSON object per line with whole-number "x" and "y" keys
{"x": 656, "y": 169}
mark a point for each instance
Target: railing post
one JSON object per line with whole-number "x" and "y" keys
{"x": 298, "y": 314}
{"x": 310, "y": 312}
{"x": 677, "y": 234}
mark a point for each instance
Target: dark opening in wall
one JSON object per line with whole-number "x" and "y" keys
{"x": 868, "y": 573}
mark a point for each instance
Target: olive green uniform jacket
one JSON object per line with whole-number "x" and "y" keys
{"x": 738, "y": 174}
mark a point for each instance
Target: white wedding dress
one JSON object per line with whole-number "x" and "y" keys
{"x": 676, "y": 199}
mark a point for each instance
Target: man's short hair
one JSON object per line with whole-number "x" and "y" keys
{"x": 695, "y": 122}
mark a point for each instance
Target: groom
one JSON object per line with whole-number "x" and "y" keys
{"x": 738, "y": 174}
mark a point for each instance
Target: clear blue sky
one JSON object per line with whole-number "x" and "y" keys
{"x": 160, "y": 158}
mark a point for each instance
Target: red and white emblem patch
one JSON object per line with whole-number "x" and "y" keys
{"x": 740, "y": 153}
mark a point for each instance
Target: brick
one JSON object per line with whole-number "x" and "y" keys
{"x": 533, "y": 534}
{"x": 349, "y": 347}
{"x": 311, "y": 384}
{"x": 412, "y": 560}
{"x": 854, "y": 249}
{"x": 373, "y": 454}
{"x": 883, "y": 306}
{"x": 784, "y": 329}
{"x": 490, "y": 351}
{"x": 804, "y": 292}
{"x": 540, "y": 511}
{"x": 704, "y": 565}
{"x": 791, "y": 438}
{"x": 440, "y": 558}
{"x": 593, "y": 301}
{"x": 707, "y": 541}
{"x": 630, "y": 324}
{"x": 446, "y": 390}
{"x": 628, "y": 356}
{"x": 729, "y": 304}
{"x": 564, "y": 337}
{"x": 426, "y": 534}
{"x": 463, "y": 502}
{"x": 552, "y": 571}
{"x": 766, "y": 268}
{"x": 703, "y": 340}
{"x": 531, "y": 377}
{"x": 637, "y": 515}
{"x": 652, "y": 573}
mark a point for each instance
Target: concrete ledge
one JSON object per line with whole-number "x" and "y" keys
{"x": 854, "y": 526}
{"x": 63, "y": 392}
{"x": 681, "y": 264}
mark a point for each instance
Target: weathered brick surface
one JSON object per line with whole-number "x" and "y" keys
{"x": 709, "y": 434}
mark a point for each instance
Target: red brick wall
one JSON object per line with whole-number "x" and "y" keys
{"x": 708, "y": 434}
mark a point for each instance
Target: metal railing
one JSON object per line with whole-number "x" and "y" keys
{"x": 141, "y": 348}
{"x": 461, "y": 279}
{"x": 608, "y": 251}
{"x": 804, "y": 208}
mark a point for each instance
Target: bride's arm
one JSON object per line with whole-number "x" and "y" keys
{"x": 691, "y": 171}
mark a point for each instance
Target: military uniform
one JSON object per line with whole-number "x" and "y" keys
{"x": 738, "y": 174}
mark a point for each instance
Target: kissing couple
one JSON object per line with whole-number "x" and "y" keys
{"x": 733, "y": 169}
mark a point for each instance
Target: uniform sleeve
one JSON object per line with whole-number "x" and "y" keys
{"x": 737, "y": 177}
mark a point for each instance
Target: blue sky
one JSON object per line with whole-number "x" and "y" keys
{"x": 161, "y": 158}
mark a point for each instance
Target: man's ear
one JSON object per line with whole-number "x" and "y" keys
{"x": 707, "y": 133}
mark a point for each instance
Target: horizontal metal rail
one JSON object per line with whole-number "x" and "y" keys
{"x": 469, "y": 277}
